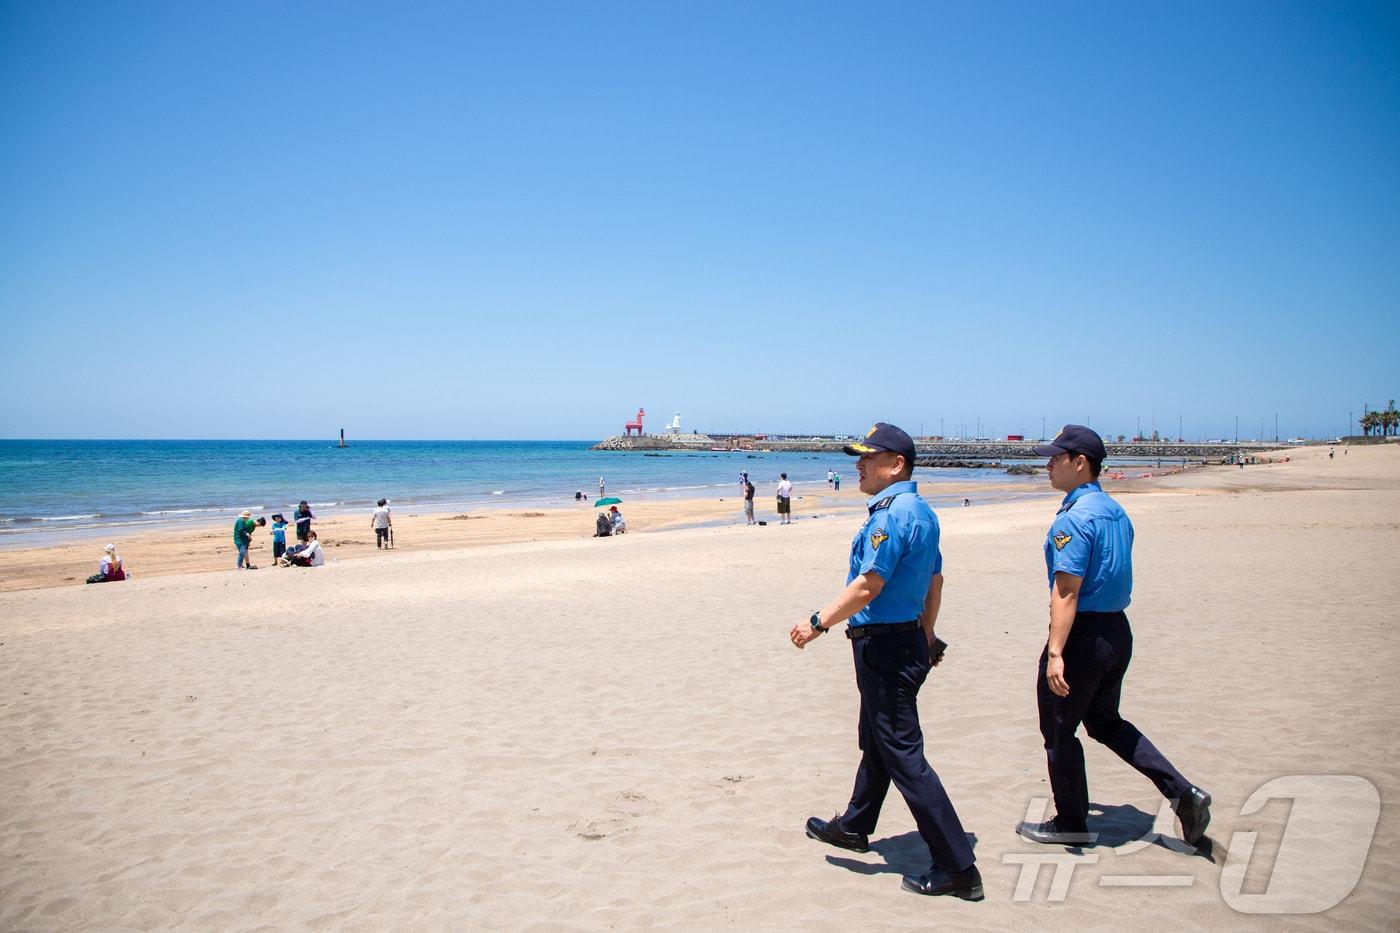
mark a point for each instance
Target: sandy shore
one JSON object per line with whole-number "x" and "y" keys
{"x": 583, "y": 734}
{"x": 210, "y": 548}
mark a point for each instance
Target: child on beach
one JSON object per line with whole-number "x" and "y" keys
{"x": 279, "y": 535}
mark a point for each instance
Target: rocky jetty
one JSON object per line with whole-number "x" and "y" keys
{"x": 656, "y": 442}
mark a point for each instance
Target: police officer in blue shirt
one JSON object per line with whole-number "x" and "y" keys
{"x": 1089, "y": 561}
{"x": 891, "y": 599}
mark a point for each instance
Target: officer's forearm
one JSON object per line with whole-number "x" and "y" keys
{"x": 932, "y": 602}
{"x": 1064, "y": 603}
{"x": 855, "y": 597}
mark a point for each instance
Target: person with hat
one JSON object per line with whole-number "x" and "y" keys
{"x": 279, "y": 536}
{"x": 303, "y": 518}
{"x": 243, "y": 527}
{"x": 619, "y": 524}
{"x": 894, "y": 588}
{"x": 1088, "y": 560}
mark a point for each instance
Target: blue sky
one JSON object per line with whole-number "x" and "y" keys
{"x": 525, "y": 220}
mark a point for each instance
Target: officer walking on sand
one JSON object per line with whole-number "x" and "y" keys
{"x": 1089, "y": 561}
{"x": 892, "y": 595}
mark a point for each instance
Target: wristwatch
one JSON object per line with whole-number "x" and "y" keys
{"x": 816, "y": 623}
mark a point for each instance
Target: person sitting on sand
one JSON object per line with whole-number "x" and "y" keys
{"x": 604, "y": 527}
{"x": 306, "y": 555}
{"x": 109, "y": 569}
{"x": 619, "y": 524}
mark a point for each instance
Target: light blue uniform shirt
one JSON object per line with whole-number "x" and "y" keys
{"x": 1092, "y": 538}
{"x": 899, "y": 541}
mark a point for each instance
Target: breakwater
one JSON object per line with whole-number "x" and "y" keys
{"x": 938, "y": 453}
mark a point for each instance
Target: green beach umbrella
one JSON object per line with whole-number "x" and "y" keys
{"x": 608, "y": 500}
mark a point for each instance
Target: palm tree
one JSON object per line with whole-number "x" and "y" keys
{"x": 1368, "y": 422}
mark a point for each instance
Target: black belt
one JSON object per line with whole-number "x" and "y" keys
{"x": 857, "y": 632}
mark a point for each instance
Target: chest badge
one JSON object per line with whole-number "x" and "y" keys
{"x": 1061, "y": 540}
{"x": 878, "y": 537}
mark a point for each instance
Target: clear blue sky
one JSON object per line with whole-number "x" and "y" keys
{"x": 527, "y": 219}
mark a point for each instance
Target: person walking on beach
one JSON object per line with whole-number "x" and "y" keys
{"x": 784, "y": 500}
{"x": 748, "y": 501}
{"x": 836, "y": 480}
{"x": 243, "y": 527}
{"x": 602, "y": 488}
{"x": 381, "y": 523}
{"x": 829, "y": 475}
{"x": 894, "y": 588}
{"x": 1088, "y": 560}
{"x": 303, "y": 517}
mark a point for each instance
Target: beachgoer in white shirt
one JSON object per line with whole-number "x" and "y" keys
{"x": 784, "y": 500}
{"x": 381, "y": 523}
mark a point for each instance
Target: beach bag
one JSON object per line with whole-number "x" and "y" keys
{"x": 97, "y": 578}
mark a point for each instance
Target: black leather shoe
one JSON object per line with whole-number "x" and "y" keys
{"x": 1051, "y": 834}
{"x": 964, "y": 884}
{"x": 1193, "y": 810}
{"x": 835, "y": 834}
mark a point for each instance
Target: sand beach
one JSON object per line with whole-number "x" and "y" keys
{"x": 509, "y": 724}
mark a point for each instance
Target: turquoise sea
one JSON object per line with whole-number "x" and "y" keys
{"x": 50, "y": 489}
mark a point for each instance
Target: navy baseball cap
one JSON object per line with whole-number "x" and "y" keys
{"x": 1075, "y": 439}
{"x": 884, "y": 437}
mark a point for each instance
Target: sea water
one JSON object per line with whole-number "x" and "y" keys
{"x": 51, "y": 488}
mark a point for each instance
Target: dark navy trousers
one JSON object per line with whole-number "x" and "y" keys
{"x": 890, "y": 669}
{"x": 1096, "y": 656}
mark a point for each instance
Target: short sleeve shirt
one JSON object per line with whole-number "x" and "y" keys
{"x": 1092, "y": 538}
{"x": 381, "y": 517}
{"x": 899, "y": 541}
{"x": 785, "y": 490}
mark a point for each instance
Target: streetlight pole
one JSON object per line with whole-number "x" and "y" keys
{"x": 1042, "y": 427}
{"x": 1237, "y": 430}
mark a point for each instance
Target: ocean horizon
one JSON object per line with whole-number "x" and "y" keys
{"x": 51, "y": 489}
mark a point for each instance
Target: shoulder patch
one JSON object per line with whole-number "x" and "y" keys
{"x": 1061, "y": 540}
{"x": 878, "y": 537}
